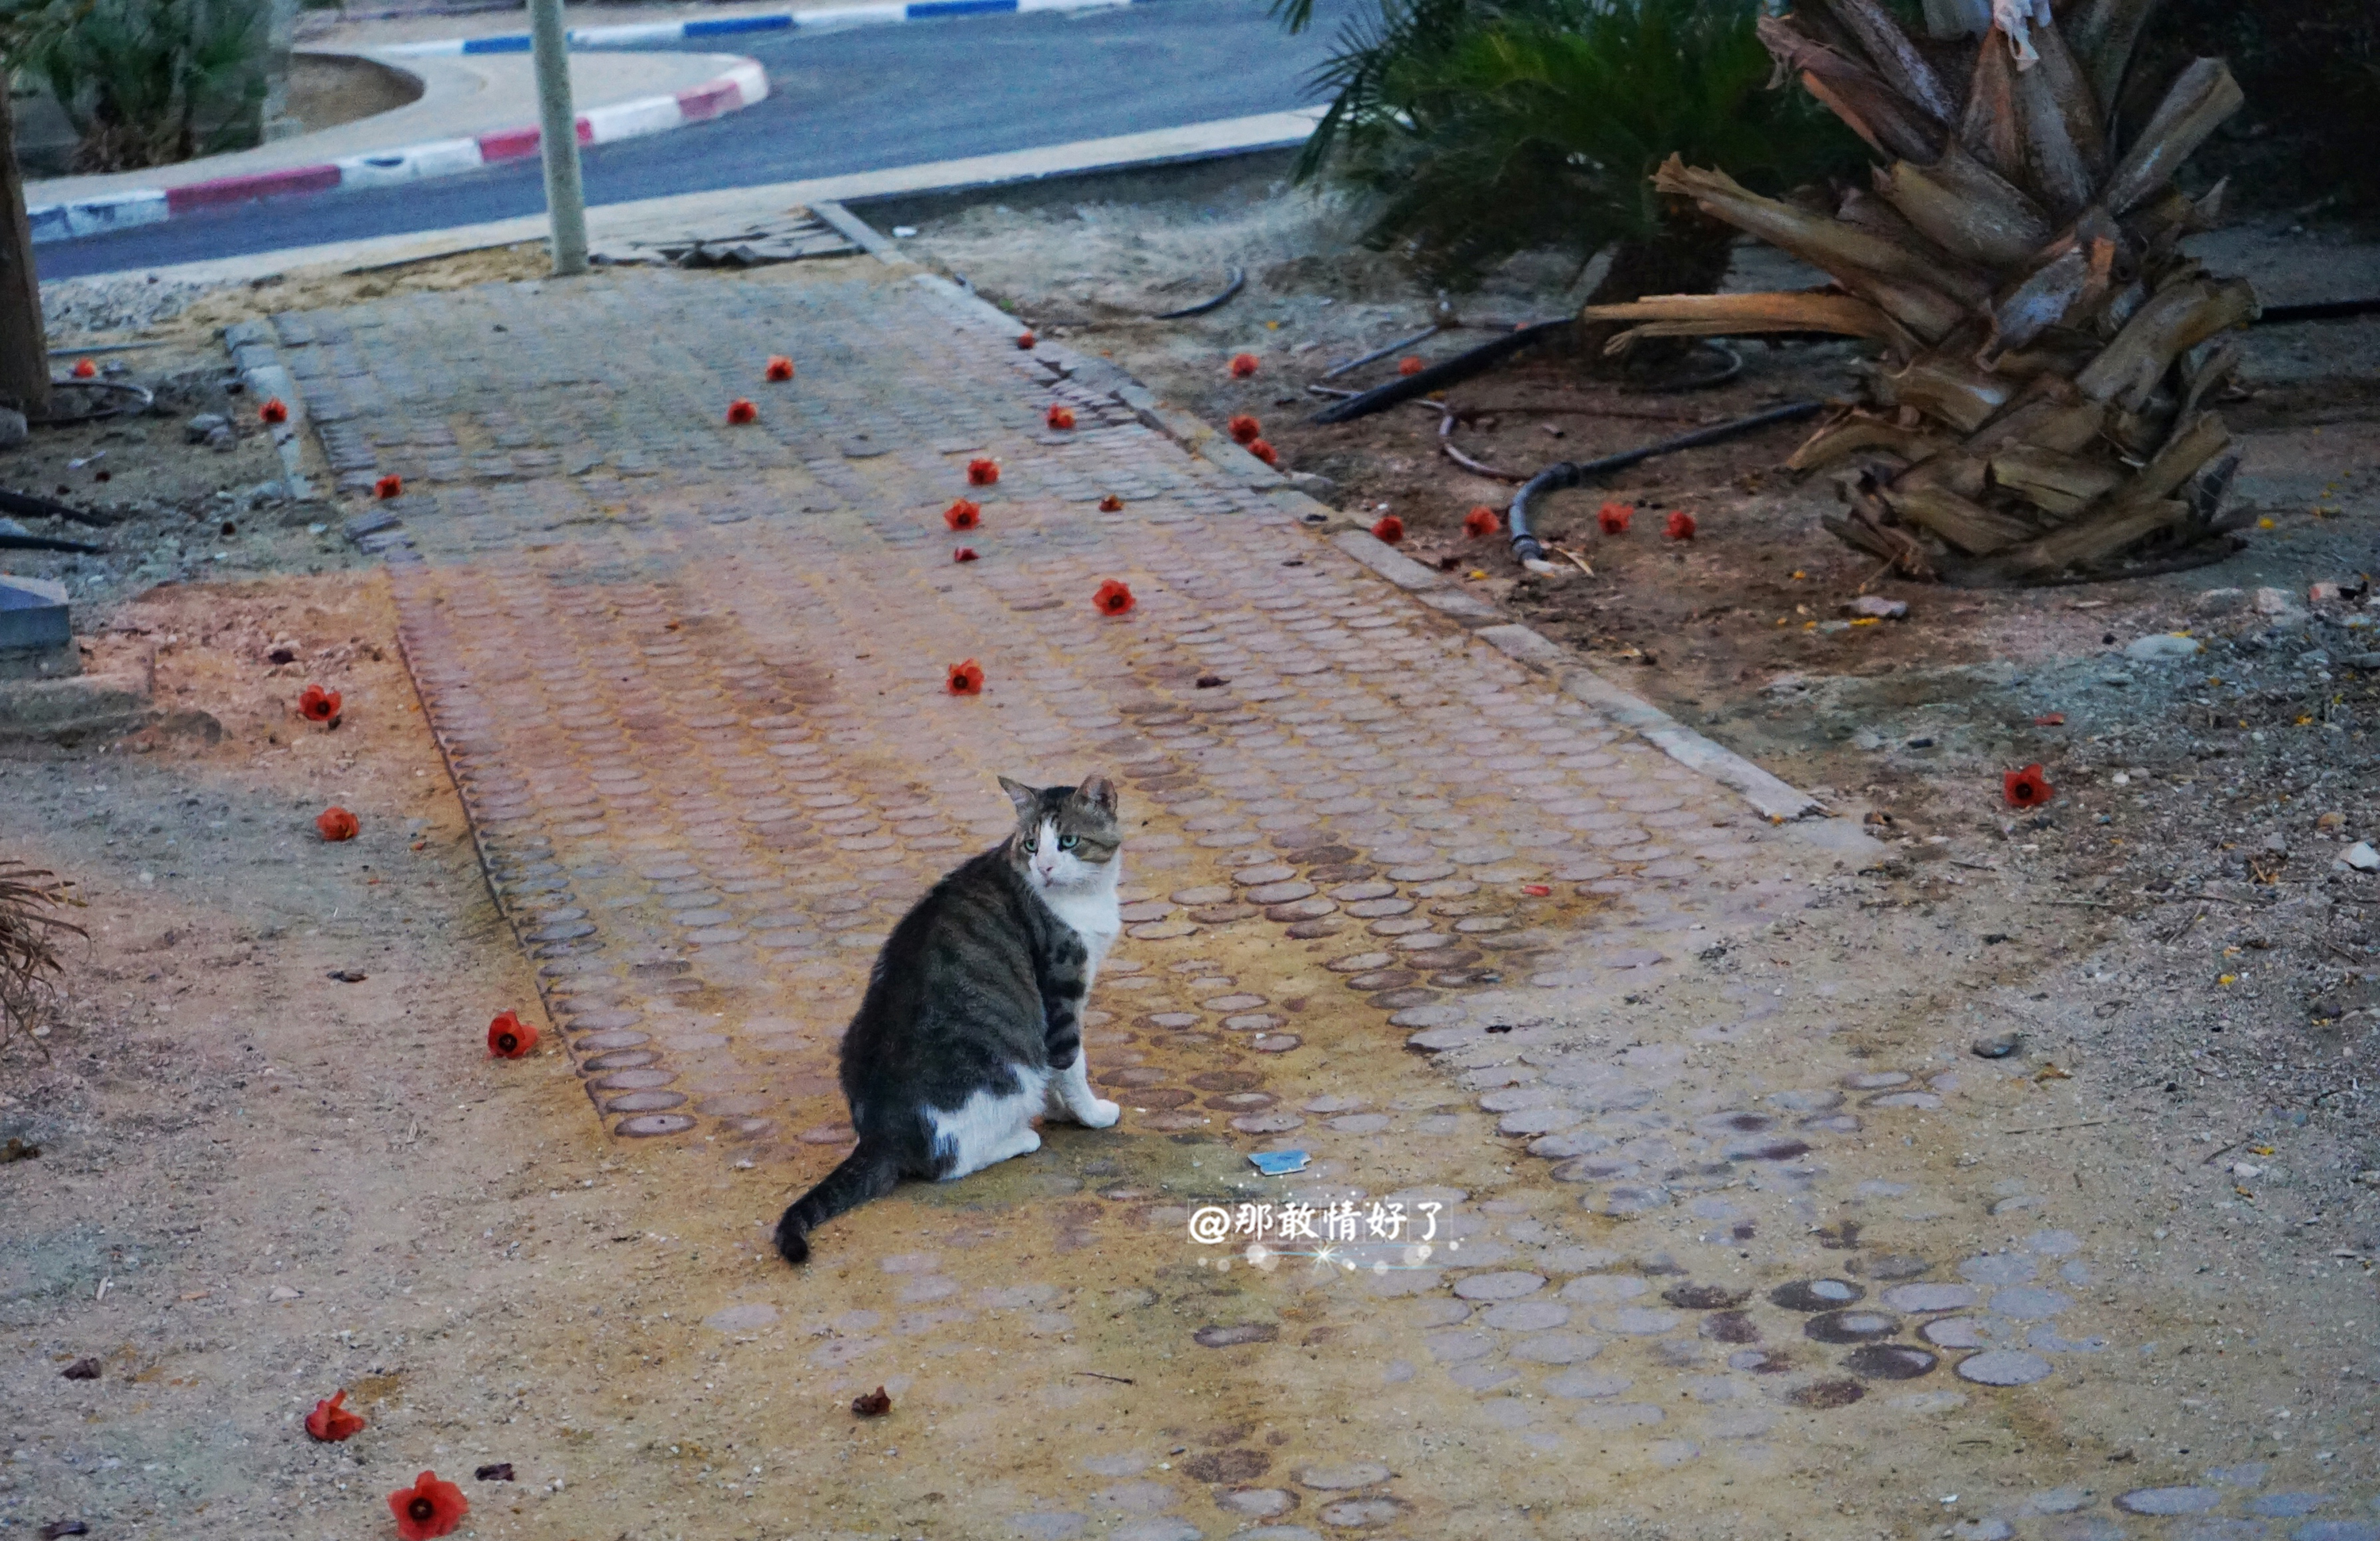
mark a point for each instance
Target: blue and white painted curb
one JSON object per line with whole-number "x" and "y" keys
{"x": 823, "y": 19}
{"x": 744, "y": 83}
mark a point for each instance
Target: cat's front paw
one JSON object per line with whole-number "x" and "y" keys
{"x": 1101, "y": 1115}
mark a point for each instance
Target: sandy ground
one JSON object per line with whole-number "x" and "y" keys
{"x": 258, "y": 1183}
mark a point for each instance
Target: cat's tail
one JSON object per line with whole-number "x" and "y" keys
{"x": 865, "y": 1174}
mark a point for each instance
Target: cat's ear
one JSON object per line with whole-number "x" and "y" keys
{"x": 1097, "y": 791}
{"x": 1027, "y": 800}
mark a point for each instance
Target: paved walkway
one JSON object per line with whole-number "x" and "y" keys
{"x": 1697, "y": 1264}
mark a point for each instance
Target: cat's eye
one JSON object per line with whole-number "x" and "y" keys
{"x": 1067, "y": 842}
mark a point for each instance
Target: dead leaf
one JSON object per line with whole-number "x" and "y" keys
{"x": 875, "y": 1404}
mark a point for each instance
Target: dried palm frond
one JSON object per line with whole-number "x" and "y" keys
{"x": 28, "y": 963}
{"x": 2044, "y": 348}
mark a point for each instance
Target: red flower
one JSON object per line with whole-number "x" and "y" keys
{"x": 780, "y": 369}
{"x": 1389, "y": 528}
{"x": 1025, "y": 340}
{"x": 389, "y": 487}
{"x": 1060, "y": 418}
{"x": 740, "y": 412}
{"x": 963, "y": 513}
{"x": 967, "y": 679}
{"x": 964, "y": 554}
{"x": 428, "y": 1509}
{"x": 1536, "y": 891}
{"x": 1614, "y": 517}
{"x": 509, "y": 1038}
{"x": 338, "y": 824}
{"x": 84, "y": 369}
{"x": 331, "y": 1422}
{"x": 1243, "y": 364}
{"x": 982, "y": 473}
{"x": 1480, "y": 521}
{"x": 1245, "y": 429}
{"x": 1110, "y": 505}
{"x": 274, "y": 411}
{"x": 2051, "y": 720}
{"x": 1264, "y": 452}
{"x": 318, "y": 705}
{"x": 1113, "y": 598}
{"x": 1681, "y": 526}
{"x": 2027, "y": 788}
{"x": 1409, "y": 366}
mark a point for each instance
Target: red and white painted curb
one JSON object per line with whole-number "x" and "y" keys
{"x": 743, "y": 85}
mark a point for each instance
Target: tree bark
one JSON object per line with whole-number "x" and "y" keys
{"x": 24, "y": 349}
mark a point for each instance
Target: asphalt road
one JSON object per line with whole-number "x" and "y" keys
{"x": 861, "y": 100}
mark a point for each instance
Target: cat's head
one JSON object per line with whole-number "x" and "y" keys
{"x": 1067, "y": 836}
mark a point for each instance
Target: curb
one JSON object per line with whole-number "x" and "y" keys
{"x": 744, "y": 84}
{"x": 1777, "y": 801}
{"x": 640, "y": 34}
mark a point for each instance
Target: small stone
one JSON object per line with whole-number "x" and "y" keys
{"x": 1999, "y": 1046}
{"x": 1339, "y": 1479}
{"x": 280, "y": 1292}
{"x": 2161, "y": 649}
{"x": 14, "y": 429}
{"x": 221, "y": 438}
{"x": 2003, "y": 1367}
{"x": 1878, "y": 607}
{"x": 2359, "y": 858}
{"x": 2169, "y": 1501}
{"x": 197, "y": 430}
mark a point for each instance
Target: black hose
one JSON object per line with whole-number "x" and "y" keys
{"x": 2327, "y": 310}
{"x": 10, "y": 542}
{"x": 1239, "y": 277}
{"x": 1450, "y": 371}
{"x": 1572, "y": 473}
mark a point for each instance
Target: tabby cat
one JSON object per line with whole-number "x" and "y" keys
{"x": 973, "y": 1020}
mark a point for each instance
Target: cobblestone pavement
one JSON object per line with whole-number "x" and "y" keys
{"x": 1705, "y": 1250}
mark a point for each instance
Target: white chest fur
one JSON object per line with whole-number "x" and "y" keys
{"x": 1092, "y": 914}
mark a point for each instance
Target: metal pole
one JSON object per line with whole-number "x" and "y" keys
{"x": 566, "y": 201}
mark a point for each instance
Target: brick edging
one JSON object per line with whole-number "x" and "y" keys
{"x": 744, "y": 83}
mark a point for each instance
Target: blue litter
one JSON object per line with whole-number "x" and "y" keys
{"x": 1279, "y": 1163}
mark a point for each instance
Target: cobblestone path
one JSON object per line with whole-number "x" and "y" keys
{"x": 1704, "y": 1251}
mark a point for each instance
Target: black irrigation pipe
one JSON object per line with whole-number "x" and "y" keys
{"x": 2326, "y": 310}
{"x": 1239, "y": 278}
{"x": 32, "y": 507}
{"x": 1438, "y": 376}
{"x": 11, "y": 541}
{"x": 1572, "y": 473}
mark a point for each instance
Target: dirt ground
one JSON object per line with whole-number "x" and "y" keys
{"x": 259, "y": 1182}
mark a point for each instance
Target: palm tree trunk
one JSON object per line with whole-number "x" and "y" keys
{"x": 24, "y": 349}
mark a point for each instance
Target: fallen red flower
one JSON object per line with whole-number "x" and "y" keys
{"x": 509, "y": 1038}
{"x": 1409, "y": 366}
{"x": 1613, "y": 518}
{"x": 2027, "y": 788}
{"x": 964, "y": 554}
{"x": 1243, "y": 364}
{"x": 274, "y": 411}
{"x": 331, "y": 1422}
{"x": 429, "y": 1509}
{"x": 84, "y": 369}
{"x": 1679, "y": 525}
{"x": 1025, "y": 339}
{"x": 740, "y": 411}
{"x": 338, "y": 824}
{"x": 1389, "y": 528}
{"x": 318, "y": 705}
{"x": 1264, "y": 452}
{"x": 874, "y": 1404}
{"x": 389, "y": 487}
{"x": 2051, "y": 720}
{"x": 780, "y": 369}
{"x": 967, "y": 679}
{"x": 1113, "y": 598}
{"x": 1482, "y": 520}
{"x": 982, "y": 473}
{"x": 1060, "y": 418}
{"x": 1243, "y": 429}
{"x": 1536, "y": 891}
{"x": 1110, "y": 505}
{"x": 963, "y": 513}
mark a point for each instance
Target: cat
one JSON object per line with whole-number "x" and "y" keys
{"x": 972, "y": 1022}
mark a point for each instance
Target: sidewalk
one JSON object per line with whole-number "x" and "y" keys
{"x": 1721, "y": 1244}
